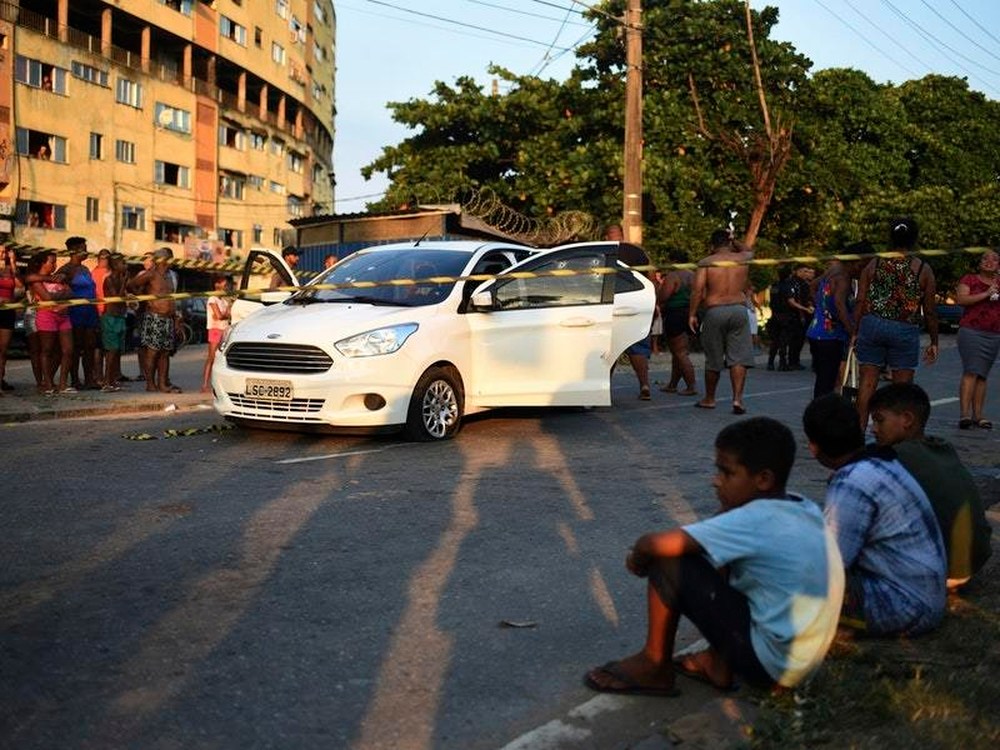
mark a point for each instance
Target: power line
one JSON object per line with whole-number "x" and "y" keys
{"x": 934, "y": 10}
{"x": 865, "y": 39}
{"x": 974, "y": 21}
{"x": 527, "y": 13}
{"x": 932, "y": 40}
{"x": 460, "y": 23}
{"x": 544, "y": 62}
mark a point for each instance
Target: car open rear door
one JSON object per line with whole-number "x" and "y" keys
{"x": 545, "y": 340}
{"x": 260, "y": 272}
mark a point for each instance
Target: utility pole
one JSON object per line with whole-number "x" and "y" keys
{"x": 632, "y": 208}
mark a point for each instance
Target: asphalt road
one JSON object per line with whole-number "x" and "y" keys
{"x": 242, "y": 589}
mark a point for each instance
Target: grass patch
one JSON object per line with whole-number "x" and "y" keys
{"x": 941, "y": 690}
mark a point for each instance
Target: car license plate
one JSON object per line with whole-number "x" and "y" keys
{"x": 276, "y": 390}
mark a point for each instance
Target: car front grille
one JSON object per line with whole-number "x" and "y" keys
{"x": 294, "y": 410}
{"x": 287, "y": 358}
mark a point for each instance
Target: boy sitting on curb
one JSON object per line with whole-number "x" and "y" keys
{"x": 772, "y": 621}
{"x": 885, "y": 528}
{"x": 899, "y": 414}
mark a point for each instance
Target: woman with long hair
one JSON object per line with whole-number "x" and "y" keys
{"x": 978, "y": 337}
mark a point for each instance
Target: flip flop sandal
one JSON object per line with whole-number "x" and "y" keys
{"x": 700, "y": 676}
{"x": 644, "y": 395}
{"x": 668, "y": 388}
{"x": 965, "y": 423}
{"x": 625, "y": 684}
{"x": 984, "y": 424}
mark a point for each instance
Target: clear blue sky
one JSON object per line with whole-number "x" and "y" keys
{"x": 394, "y": 50}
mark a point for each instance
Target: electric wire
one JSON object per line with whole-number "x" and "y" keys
{"x": 570, "y": 11}
{"x": 961, "y": 33}
{"x": 975, "y": 22}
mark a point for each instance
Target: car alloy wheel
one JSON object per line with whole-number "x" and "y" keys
{"x": 436, "y": 406}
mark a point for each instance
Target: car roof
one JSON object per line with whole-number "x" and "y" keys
{"x": 463, "y": 246}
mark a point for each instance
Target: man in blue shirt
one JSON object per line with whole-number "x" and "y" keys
{"x": 885, "y": 527}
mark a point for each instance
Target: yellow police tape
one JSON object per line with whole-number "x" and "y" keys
{"x": 253, "y": 293}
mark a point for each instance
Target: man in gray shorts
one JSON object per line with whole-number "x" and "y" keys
{"x": 725, "y": 332}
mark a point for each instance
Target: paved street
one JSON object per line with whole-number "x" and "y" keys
{"x": 242, "y": 589}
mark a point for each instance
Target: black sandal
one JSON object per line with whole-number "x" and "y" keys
{"x": 965, "y": 423}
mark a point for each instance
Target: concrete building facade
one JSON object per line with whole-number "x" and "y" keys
{"x": 202, "y": 126}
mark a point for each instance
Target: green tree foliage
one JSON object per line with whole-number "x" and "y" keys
{"x": 860, "y": 153}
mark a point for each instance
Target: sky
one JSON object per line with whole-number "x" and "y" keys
{"x": 394, "y": 50}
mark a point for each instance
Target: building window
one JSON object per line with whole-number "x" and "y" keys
{"x": 41, "y": 214}
{"x": 296, "y": 162}
{"x": 297, "y": 29}
{"x": 317, "y": 173}
{"x": 171, "y": 118}
{"x": 134, "y": 217}
{"x": 40, "y": 145}
{"x": 232, "y": 137}
{"x": 277, "y": 147}
{"x": 277, "y": 53}
{"x": 96, "y": 146}
{"x": 90, "y": 74}
{"x": 125, "y": 151}
{"x": 255, "y": 181}
{"x": 258, "y": 36}
{"x": 181, "y": 6}
{"x": 276, "y": 187}
{"x": 171, "y": 231}
{"x": 231, "y": 237}
{"x": 232, "y": 30}
{"x": 93, "y": 209}
{"x": 257, "y": 141}
{"x": 129, "y": 92}
{"x": 276, "y": 237}
{"x": 232, "y": 186}
{"x": 165, "y": 173}
{"x": 295, "y": 206}
{"x": 319, "y": 11}
{"x": 258, "y": 234}
{"x": 281, "y": 8}
{"x": 40, "y": 75}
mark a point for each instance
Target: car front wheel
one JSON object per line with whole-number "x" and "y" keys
{"x": 436, "y": 406}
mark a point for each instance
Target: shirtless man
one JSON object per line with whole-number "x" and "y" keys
{"x": 725, "y": 333}
{"x": 157, "y": 332}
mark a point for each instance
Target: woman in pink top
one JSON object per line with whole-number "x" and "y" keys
{"x": 10, "y": 286}
{"x": 52, "y": 322}
{"x": 216, "y": 321}
{"x": 978, "y": 337}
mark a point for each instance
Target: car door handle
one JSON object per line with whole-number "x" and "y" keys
{"x": 625, "y": 312}
{"x": 577, "y": 322}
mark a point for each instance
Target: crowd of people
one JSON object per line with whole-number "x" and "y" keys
{"x": 771, "y": 580}
{"x": 79, "y": 346}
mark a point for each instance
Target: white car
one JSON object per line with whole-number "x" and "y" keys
{"x": 420, "y": 356}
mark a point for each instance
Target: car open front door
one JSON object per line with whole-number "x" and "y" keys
{"x": 545, "y": 340}
{"x": 262, "y": 271}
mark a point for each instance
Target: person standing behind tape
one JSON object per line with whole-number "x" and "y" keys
{"x": 892, "y": 292}
{"x": 86, "y": 323}
{"x": 217, "y": 318}
{"x": 719, "y": 283}
{"x": 113, "y": 324}
{"x": 157, "y": 333}
{"x": 639, "y": 352}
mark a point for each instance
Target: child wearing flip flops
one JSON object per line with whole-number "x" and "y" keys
{"x": 762, "y": 580}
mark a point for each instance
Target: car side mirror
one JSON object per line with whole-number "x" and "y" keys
{"x": 482, "y": 301}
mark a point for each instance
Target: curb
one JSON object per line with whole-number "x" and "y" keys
{"x": 98, "y": 410}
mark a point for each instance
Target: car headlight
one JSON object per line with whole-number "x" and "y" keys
{"x": 379, "y": 341}
{"x": 226, "y": 336}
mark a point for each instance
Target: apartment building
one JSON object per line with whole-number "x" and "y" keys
{"x": 203, "y": 126}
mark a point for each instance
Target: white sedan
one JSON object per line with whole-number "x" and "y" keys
{"x": 420, "y": 356}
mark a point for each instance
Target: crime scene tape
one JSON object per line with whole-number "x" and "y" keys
{"x": 169, "y": 434}
{"x": 253, "y": 293}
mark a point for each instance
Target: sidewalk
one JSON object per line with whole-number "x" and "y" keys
{"x": 24, "y": 404}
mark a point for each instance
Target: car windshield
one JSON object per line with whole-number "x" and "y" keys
{"x": 386, "y": 265}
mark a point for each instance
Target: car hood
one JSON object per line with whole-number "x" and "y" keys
{"x": 322, "y": 322}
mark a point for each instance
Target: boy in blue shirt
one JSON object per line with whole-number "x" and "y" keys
{"x": 773, "y": 618}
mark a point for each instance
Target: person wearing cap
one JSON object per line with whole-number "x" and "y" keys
{"x": 892, "y": 294}
{"x": 156, "y": 334}
{"x": 84, "y": 318}
{"x": 291, "y": 257}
